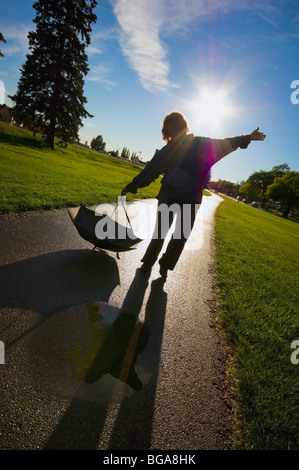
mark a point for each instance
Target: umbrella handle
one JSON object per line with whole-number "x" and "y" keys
{"x": 116, "y": 207}
{"x": 122, "y": 203}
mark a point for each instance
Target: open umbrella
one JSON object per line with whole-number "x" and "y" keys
{"x": 103, "y": 231}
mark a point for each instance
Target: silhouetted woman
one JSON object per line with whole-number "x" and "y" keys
{"x": 184, "y": 161}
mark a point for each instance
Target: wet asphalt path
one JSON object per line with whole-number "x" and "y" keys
{"x": 99, "y": 355}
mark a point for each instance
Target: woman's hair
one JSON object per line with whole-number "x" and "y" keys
{"x": 173, "y": 125}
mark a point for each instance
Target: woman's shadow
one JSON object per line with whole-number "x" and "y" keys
{"x": 127, "y": 360}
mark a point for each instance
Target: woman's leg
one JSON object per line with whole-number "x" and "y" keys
{"x": 164, "y": 219}
{"x": 184, "y": 224}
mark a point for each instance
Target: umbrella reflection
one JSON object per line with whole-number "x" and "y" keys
{"x": 118, "y": 353}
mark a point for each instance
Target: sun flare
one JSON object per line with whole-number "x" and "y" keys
{"x": 211, "y": 108}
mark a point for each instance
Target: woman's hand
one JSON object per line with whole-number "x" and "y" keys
{"x": 124, "y": 191}
{"x": 257, "y": 135}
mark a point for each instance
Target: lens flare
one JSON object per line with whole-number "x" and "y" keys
{"x": 211, "y": 108}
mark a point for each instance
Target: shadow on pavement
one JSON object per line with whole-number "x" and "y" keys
{"x": 127, "y": 364}
{"x": 56, "y": 281}
{"x": 133, "y": 426}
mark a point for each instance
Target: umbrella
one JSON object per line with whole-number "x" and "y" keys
{"x": 103, "y": 231}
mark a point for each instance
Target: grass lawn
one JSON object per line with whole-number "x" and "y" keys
{"x": 257, "y": 267}
{"x": 36, "y": 178}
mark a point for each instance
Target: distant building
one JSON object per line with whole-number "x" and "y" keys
{"x": 137, "y": 161}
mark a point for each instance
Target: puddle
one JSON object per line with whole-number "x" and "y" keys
{"x": 90, "y": 350}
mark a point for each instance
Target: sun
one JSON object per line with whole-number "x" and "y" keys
{"x": 211, "y": 108}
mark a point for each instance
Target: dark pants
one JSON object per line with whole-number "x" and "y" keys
{"x": 185, "y": 218}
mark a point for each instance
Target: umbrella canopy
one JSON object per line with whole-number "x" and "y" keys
{"x": 103, "y": 231}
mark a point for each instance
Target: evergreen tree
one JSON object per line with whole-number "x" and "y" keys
{"x": 125, "y": 153}
{"x": 98, "y": 143}
{"x": 2, "y": 40}
{"x": 51, "y": 82}
{"x": 114, "y": 153}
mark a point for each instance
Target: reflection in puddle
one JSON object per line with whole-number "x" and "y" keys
{"x": 88, "y": 350}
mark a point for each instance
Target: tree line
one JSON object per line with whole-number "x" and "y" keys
{"x": 98, "y": 144}
{"x": 32, "y": 123}
{"x": 275, "y": 189}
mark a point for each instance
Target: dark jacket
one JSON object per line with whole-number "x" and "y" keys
{"x": 185, "y": 164}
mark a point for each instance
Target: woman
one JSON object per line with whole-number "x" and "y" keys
{"x": 184, "y": 161}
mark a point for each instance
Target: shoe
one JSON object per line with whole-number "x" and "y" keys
{"x": 145, "y": 267}
{"x": 163, "y": 272}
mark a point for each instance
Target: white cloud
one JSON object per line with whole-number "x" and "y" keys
{"x": 16, "y": 39}
{"x": 141, "y": 23}
{"x": 99, "y": 74}
{"x": 93, "y": 50}
{"x": 88, "y": 124}
{"x": 101, "y": 39}
{"x": 145, "y": 23}
{"x": 104, "y": 34}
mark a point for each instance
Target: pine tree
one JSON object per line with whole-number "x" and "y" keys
{"x": 2, "y": 40}
{"x": 98, "y": 144}
{"x": 125, "y": 153}
{"x": 52, "y": 78}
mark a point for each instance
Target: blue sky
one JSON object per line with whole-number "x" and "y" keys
{"x": 148, "y": 58}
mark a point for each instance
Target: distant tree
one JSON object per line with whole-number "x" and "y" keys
{"x": 32, "y": 122}
{"x": 285, "y": 189}
{"x": 114, "y": 153}
{"x": 226, "y": 187}
{"x": 223, "y": 186}
{"x": 51, "y": 82}
{"x": 257, "y": 184}
{"x": 98, "y": 144}
{"x": 279, "y": 170}
{"x": 125, "y": 153}
{"x": 248, "y": 192}
{"x": 2, "y": 40}
{"x": 5, "y": 114}
{"x": 236, "y": 189}
{"x": 207, "y": 180}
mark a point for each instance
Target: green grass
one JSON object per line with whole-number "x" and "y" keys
{"x": 35, "y": 178}
{"x": 257, "y": 272}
